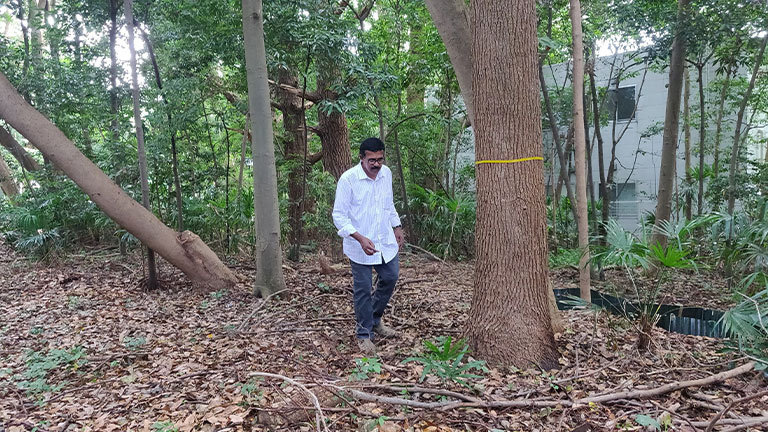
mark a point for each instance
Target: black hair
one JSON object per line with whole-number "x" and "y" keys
{"x": 371, "y": 145}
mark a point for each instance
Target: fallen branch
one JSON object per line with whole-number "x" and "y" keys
{"x": 748, "y": 424}
{"x": 319, "y": 416}
{"x": 731, "y": 405}
{"x": 433, "y": 256}
{"x": 258, "y": 308}
{"x": 440, "y": 392}
{"x": 645, "y": 394}
{"x": 549, "y": 403}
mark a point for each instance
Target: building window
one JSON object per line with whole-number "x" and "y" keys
{"x": 622, "y": 102}
{"x": 624, "y": 204}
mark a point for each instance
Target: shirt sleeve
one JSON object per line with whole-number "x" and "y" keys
{"x": 341, "y": 209}
{"x": 394, "y": 218}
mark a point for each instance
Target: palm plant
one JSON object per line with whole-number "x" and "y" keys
{"x": 635, "y": 256}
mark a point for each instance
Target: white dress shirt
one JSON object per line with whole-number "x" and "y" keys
{"x": 364, "y": 205}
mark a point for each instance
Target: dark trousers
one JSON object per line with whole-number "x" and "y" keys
{"x": 370, "y": 307}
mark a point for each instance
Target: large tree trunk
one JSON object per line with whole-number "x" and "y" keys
{"x": 185, "y": 251}
{"x": 671, "y": 126}
{"x": 687, "y": 142}
{"x": 453, "y": 24}
{"x": 580, "y": 146}
{"x": 509, "y": 321}
{"x": 737, "y": 129}
{"x": 7, "y": 185}
{"x": 142, "y": 155}
{"x": 269, "y": 258}
{"x": 25, "y": 160}
{"x": 334, "y": 133}
{"x": 295, "y": 143}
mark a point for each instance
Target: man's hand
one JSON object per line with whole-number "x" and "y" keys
{"x": 368, "y": 247}
{"x": 399, "y": 236}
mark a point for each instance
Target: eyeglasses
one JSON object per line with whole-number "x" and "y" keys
{"x": 378, "y": 161}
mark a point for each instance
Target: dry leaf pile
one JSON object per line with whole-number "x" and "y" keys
{"x": 84, "y": 348}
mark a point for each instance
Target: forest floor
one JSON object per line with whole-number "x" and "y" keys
{"x": 84, "y": 348}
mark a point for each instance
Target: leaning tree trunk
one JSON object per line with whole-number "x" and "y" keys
{"x": 17, "y": 151}
{"x": 453, "y": 25}
{"x": 600, "y": 157}
{"x": 580, "y": 148}
{"x": 7, "y": 185}
{"x": 671, "y": 126}
{"x": 185, "y": 250}
{"x": 151, "y": 265}
{"x": 509, "y": 321}
{"x": 737, "y": 129}
{"x": 269, "y": 258}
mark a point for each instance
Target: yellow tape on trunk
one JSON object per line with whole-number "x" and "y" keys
{"x": 511, "y": 161}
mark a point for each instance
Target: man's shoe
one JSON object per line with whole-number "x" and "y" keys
{"x": 366, "y": 346}
{"x": 384, "y": 331}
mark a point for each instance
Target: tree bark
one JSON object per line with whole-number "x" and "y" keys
{"x": 151, "y": 265}
{"x": 453, "y": 24}
{"x": 7, "y": 185}
{"x": 17, "y": 151}
{"x": 687, "y": 142}
{"x": 269, "y": 259}
{"x": 580, "y": 146}
{"x": 671, "y": 126}
{"x": 291, "y": 105}
{"x": 509, "y": 320}
{"x": 185, "y": 251}
{"x": 737, "y": 129}
{"x": 334, "y": 132}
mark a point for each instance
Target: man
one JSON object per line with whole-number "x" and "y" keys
{"x": 367, "y": 220}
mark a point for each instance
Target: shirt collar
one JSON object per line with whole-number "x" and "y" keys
{"x": 361, "y": 175}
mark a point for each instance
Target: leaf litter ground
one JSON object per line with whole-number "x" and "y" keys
{"x": 83, "y": 348}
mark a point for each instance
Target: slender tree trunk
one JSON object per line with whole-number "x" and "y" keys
{"x": 401, "y": 175}
{"x": 113, "y": 101}
{"x": 17, "y": 151}
{"x": 151, "y": 266}
{"x": 509, "y": 321}
{"x": 269, "y": 260}
{"x": 174, "y": 153}
{"x": 687, "y": 141}
{"x": 7, "y": 185}
{"x": 600, "y": 157}
{"x": 702, "y": 139}
{"x": 243, "y": 150}
{"x": 453, "y": 24}
{"x": 671, "y": 126}
{"x": 737, "y": 129}
{"x": 559, "y": 147}
{"x": 580, "y": 145}
{"x": 719, "y": 124}
{"x": 185, "y": 251}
